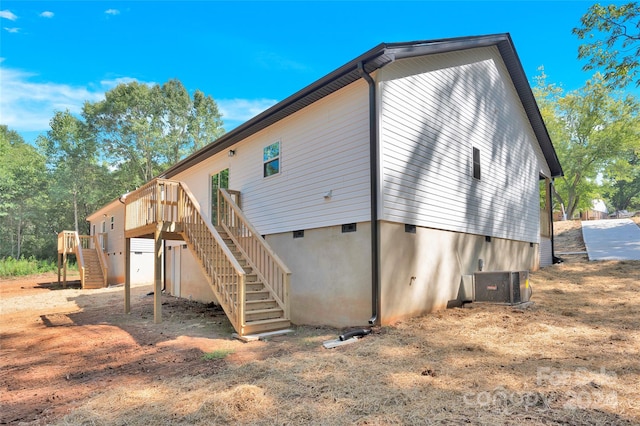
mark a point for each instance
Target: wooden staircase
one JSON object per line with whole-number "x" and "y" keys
{"x": 262, "y": 312}
{"x": 92, "y": 262}
{"x": 93, "y": 273}
{"x": 247, "y": 278}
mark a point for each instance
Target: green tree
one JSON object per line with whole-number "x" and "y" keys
{"x": 205, "y": 121}
{"x": 23, "y": 183}
{"x": 78, "y": 180}
{"x": 128, "y": 130}
{"x": 622, "y": 176}
{"x": 589, "y": 128}
{"x": 612, "y": 42}
{"x": 143, "y": 129}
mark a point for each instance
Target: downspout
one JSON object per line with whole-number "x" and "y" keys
{"x": 554, "y": 259}
{"x": 373, "y": 158}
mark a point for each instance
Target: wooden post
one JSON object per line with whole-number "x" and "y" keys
{"x": 59, "y": 258}
{"x": 127, "y": 276}
{"x": 157, "y": 275}
{"x": 64, "y": 269}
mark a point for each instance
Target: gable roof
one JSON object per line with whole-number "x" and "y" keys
{"x": 372, "y": 60}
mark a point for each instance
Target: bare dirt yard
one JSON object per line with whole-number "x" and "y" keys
{"x": 71, "y": 356}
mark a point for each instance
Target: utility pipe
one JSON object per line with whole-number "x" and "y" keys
{"x": 373, "y": 158}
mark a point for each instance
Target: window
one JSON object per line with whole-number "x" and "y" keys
{"x": 476, "y": 163}
{"x": 103, "y": 227}
{"x": 112, "y": 223}
{"x": 349, "y": 227}
{"x": 218, "y": 180}
{"x": 271, "y": 159}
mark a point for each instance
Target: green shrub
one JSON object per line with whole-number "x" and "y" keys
{"x": 10, "y": 267}
{"x": 217, "y": 354}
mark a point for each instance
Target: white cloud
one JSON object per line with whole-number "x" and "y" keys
{"x": 112, "y": 12}
{"x": 12, "y": 30}
{"x": 241, "y": 110}
{"x": 47, "y": 14}
{"x": 27, "y": 105}
{"x": 8, "y": 15}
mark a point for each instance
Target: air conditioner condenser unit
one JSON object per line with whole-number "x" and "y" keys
{"x": 509, "y": 287}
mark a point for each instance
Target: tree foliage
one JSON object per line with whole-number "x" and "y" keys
{"x": 22, "y": 189}
{"x": 143, "y": 129}
{"x": 612, "y": 42}
{"x": 84, "y": 162}
{"x": 590, "y": 129}
{"x": 622, "y": 175}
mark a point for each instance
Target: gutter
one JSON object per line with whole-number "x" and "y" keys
{"x": 374, "y": 173}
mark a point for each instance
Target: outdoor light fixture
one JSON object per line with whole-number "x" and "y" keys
{"x": 232, "y": 152}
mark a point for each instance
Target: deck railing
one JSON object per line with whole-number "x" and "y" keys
{"x": 270, "y": 269}
{"x": 155, "y": 202}
{"x": 69, "y": 243}
{"x": 169, "y": 201}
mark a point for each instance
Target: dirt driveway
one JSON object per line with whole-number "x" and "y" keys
{"x": 73, "y": 357}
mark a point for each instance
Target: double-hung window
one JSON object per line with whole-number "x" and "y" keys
{"x": 271, "y": 159}
{"x": 476, "y": 163}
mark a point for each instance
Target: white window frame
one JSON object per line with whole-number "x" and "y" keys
{"x": 476, "y": 166}
{"x": 269, "y": 160}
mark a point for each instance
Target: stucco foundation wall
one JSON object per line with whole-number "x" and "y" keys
{"x": 437, "y": 259}
{"x": 115, "y": 268}
{"x": 193, "y": 283}
{"x": 331, "y": 274}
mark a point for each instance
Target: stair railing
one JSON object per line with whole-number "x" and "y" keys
{"x": 102, "y": 258}
{"x": 78, "y": 252}
{"x": 265, "y": 262}
{"x": 226, "y": 276}
{"x": 163, "y": 200}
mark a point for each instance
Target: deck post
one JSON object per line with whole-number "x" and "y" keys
{"x": 64, "y": 269}
{"x": 59, "y": 258}
{"x": 157, "y": 275}
{"x": 127, "y": 275}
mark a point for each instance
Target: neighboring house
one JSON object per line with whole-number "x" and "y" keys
{"x": 108, "y": 225}
{"x": 376, "y": 189}
{"x": 597, "y": 211}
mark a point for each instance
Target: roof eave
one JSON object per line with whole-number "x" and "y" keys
{"x": 372, "y": 60}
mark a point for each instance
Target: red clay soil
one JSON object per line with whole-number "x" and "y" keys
{"x": 57, "y": 352}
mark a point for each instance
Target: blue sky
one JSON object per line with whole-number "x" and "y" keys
{"x": 247, "y": 55}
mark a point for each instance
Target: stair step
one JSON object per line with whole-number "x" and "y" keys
{"x": 263, "y": 314}
{"x": 253, "y": 286}
{"x": 256, "y": 294}
{"x": 266, "y": 325}
{"x": 256, "y": 305}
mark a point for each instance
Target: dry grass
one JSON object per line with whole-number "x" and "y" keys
{"x": 570, "y": 358}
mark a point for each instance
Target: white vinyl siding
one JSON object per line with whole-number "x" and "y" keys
{"x": 142, "y": 245}
{"x": 324, "y": 147}
{"x": 546, "y": 254}
{"x": 433, "y": 111}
